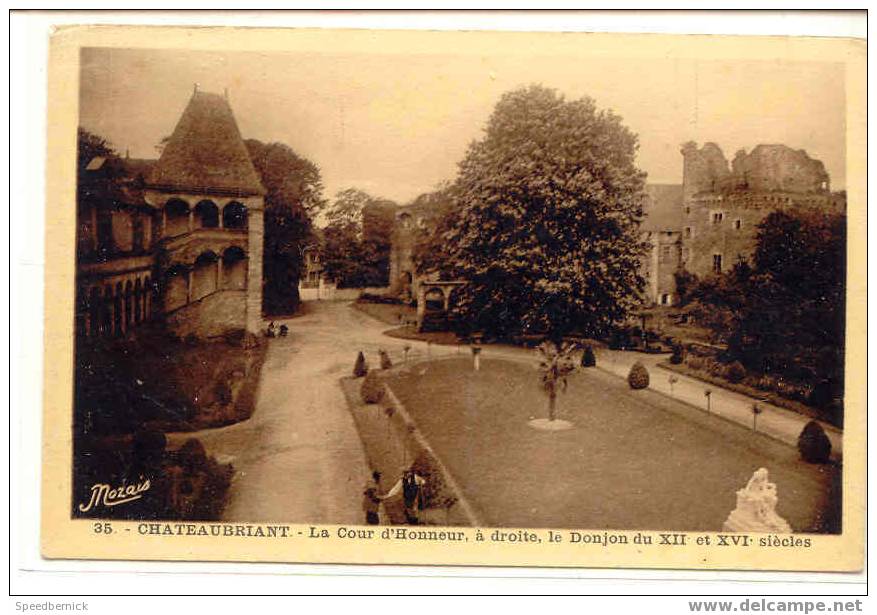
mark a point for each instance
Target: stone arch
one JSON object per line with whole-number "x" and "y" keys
{"x": 206, "y": 214}
{"x": 95, "y": 303}
{"x": 138, "y": 302}
{"x": 434, "y": 299}
{"x": 129, "y": 305}
{"x": 149, "y": 293}
{"x": 405, "y": 220}
{"x": 234, "y": 269}
{"x": 118, "y": 310}
{"x": 176, "y": 287}
{"x": 205, "y": 274}
{"x": 234, "y": 215}
{"x": 106, "y": 318}
{"x": 176, "y": 217}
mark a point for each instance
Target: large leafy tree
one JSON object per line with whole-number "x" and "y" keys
{"x": 356, "y": 247}
{"x": 90, "y": 145}
{"x": 294, "y": 193}
{"x": 784, "y": 313}
{"x": 794, "y": 317}
{"x": 545, "y": 223}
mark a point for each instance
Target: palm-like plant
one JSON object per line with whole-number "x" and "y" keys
{"x": 555, "y": 364}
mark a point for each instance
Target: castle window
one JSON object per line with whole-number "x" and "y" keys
{"x": 665, "y": 299}
{"x": 738, "y": 224}
{"x": 717, "y": 217}
{"x": 687, "y": 210}
{"x": 717, "y": 263}
{"x": 688, "y": 232}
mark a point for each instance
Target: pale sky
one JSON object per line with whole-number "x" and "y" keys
{"x": 395, "y": 126}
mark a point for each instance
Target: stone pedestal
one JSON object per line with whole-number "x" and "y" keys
{"x": 756, "y": 508}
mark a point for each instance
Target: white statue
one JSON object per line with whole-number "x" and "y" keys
{"x": 756, "y": 508}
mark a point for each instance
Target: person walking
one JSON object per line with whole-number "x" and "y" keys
{"x": 371, "y": 500}
{"x": 411, "y": 486}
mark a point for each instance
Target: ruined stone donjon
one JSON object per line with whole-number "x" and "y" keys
{"x": 710, "y": 222}
{"x": 180, "y": 238}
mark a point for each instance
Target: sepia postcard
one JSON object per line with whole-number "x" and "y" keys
{"x": 455, "y": 298}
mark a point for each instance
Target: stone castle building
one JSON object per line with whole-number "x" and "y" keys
{"x": 409, "y": 222}
{"x": 179, "y": 238}
{"x": 704, "y": 226}
{"x": 723, "y": 205}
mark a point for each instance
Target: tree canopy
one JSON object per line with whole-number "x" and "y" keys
{"x": 356, "y": 239}
{"x": 294, "y": 193}
{"x": 544, "y": 225}
{"x": 90, "y": 145}
{"x": 784, "y": 313}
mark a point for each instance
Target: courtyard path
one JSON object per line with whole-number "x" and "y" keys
{"x": 299, "y": 458}
{"x": 780, "y": 423}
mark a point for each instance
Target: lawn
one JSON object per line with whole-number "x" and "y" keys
{"x": 389, "y": 313}
{"x": 634, "y": 460}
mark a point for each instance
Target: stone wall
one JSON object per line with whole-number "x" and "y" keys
{"x": 660, "y": 266}
{"x": 703, "y": 170}
{"x": 723, "y": 207}
{"x": 329, "y": 292}
{"x": 214, "y": 315}
{"x": 770, "y": 168}
{"x": 255, "y": 249}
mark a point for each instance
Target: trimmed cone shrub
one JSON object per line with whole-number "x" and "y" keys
{"x": 386, "y": 363}
{"x": 638, "y": 378}
{"x": 678, "y": 354}
{"x": 588, "y": 358}
{"x": 360, "y": 369}
{"x": 736, "y": 372}
{"x": 813, "y": 444}
{"x": 372, "y": 391}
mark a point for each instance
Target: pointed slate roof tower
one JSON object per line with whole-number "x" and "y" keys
{"x": 205, "y": 153}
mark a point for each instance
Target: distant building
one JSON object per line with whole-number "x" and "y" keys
{"x": 180, "y": 237}
{"x": 661, "y": 230}
{"x": 722, "y": 206}
{"x": 704, "y": 225}
{"x": 410, "y": 222}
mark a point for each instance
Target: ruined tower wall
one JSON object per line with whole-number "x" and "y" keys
{"x": 703, "y": 170}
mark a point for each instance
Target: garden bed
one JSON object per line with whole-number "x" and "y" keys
{"x": 749, "y": 391}
{"x": 391, "y": 447}
{"x": 633, "y": 459}
{"x": 161, "y": 383}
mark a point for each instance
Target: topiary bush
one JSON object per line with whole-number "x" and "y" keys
{"x": 386, "y": 363}
{"x": 638, "y": 378}
{"x": 588, "y": 357}
{"x": 372, "y": 390}
{"x": 360, "y": 368}
{"x": 735, "y": 372}
{"x": 678, "y": 354}
{"x": 695, "y": 363}
{"x": 813, "y": 444}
